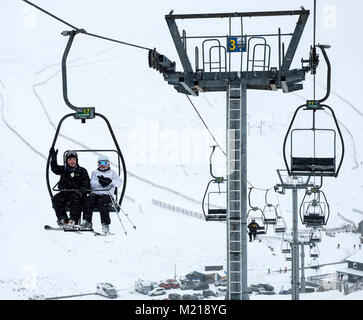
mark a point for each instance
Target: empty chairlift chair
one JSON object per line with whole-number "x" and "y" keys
{"x": 307, "y": 157}
{"x": 280, "y": 226}
{"x": 269, "y": 212}
{"x": 314, "y": 209}
{"x": 315, "y": 151}
{"x": 315, "y": 236}
{"x": 213, "y": 212}
{"x": 214, "y": 202}
{"x": 314, "y": 251}
{"x": 285, "y": 247}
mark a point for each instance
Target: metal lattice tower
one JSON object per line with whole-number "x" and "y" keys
{"x": 294, "y": 184}
{"x": 217, "y": 76}
{"x": 236, "y": 202}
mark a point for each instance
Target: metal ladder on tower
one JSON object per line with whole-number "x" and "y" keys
{"x": 234, "y": 243}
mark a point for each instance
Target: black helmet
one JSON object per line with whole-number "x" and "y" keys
{"x": 71, "y": 154}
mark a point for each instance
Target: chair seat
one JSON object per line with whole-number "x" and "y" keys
{"x": 314, "y": 220}
{"x": 270, "y": 221}
{"x": 95, "y": 209}
{"x": 216, "y": 218}
{"x": 313, "y": 164}
{"x": 217, "y": 211}
{"x": 280, "y": 229}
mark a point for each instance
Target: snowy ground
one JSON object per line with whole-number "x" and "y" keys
{"x": 164, "y": 143}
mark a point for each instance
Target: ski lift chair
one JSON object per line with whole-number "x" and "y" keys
{"x": 314, "y": 209}
{"x": 111, "y": 206}
{"x": 314, "y": 251}
{"x": 212, "y": 212}
{"x": 270, "y": 214}
{"x": 257, "y": 215}
{"x": 310, "y": 164}
{"x": 280, "y": 226}
{"x": 314, "y": 264}
{"x": 313, "y": 165}
{"x": 84, "y": 114}
{"x": 315, "y": 236}
{"x": 285, "y": 247}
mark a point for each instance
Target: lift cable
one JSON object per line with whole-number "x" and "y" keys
{"x": 314, "y": 82}
{"x": 201, "y": 118}
{"x": 85, "y": 32}
{"x": 218, "y": 145}
{"x": 314, "y": 44}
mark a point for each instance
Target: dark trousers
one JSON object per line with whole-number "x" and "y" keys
{"x": 61, "y": 201}
{"x": 97, "y": 201}
{"x": 252, "y": 233}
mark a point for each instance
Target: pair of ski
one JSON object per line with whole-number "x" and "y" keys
{"x": 75, "y": 228}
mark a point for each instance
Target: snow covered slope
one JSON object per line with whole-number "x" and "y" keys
{"x": 165, "y": 145}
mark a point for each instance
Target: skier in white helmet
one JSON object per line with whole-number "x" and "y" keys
{"x": 104, "y": 180}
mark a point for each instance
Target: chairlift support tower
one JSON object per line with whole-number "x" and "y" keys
{"x": 294, "y": 184}
{"x": 217, "y": 76}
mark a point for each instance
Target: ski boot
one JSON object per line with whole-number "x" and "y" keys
{"x": 71, "y": 225}
{"x": 61, "y": 222}
{"x": 105, "y": 229}
{"x": 86, "y": 225}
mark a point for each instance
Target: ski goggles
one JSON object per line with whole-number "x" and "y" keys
{"x": 103, "y": 163}
{"x": 71, "y": 154}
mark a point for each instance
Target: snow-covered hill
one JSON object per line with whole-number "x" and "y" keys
{"x": 165, "y": 145}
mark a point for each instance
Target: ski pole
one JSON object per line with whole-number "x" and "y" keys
{"x": 115, "y": 207}
{"x": 127, "y": 216}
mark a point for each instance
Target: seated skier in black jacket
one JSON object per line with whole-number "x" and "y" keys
{"x": 74, "y": 177}
{"x": 253, "y": 227}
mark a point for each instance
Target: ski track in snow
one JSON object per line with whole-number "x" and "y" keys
{"x": 16, "y": 132}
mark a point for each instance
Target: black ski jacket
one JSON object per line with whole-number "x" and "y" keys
{"x": 76, "y": 178}
{"x": 253, "y": 226}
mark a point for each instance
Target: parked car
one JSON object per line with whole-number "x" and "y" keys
{"x": 285, "y": 292}
{"x": 201, "y": 286}
{"x": 262, "y": 288}
{"x": 157, "y": 292}
{"x": 187, "y": 297}
{"x": 170, "y": 284}
{"x": 174, "y": 296}
{"x": 145, "y": 287}
{"x": 188, "y": 285}
{"x": 198, "y": 296}
{"x": 209, "y": 293}
{"x": 221, "y": 282}
{"x": 222, "y": 291}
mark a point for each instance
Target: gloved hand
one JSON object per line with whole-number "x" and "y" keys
{"x": 83, "y": 190}
{"x": 53, "y": 153}
{"x": 104, "y": 182}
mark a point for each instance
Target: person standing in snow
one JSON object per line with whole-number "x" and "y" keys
{"x": 253, "y": 227}
{"x": 72, "y": 177}
{"x": 103, "y": 183}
